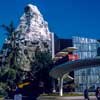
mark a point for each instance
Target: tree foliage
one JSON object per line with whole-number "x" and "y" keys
{"x": 41, "y": 67}
{"x": 9, "y": 71}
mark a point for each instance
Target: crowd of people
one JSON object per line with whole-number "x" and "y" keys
{"x": 97, "y": 94}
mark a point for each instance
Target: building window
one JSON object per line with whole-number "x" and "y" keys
{"x": 87, "y": 48}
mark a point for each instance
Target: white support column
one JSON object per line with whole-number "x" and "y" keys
{"x": 53, "y": 45}
{"x": 54, "y": 87}
{"x": 53, "y": 55}
{"x": 61, "y": 86}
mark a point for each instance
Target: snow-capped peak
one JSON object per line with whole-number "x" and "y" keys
{"x": 34, "y": 9}
{"x": 33, "y": 25}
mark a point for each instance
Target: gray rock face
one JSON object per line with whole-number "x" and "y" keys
{"x": 33, "y": 33}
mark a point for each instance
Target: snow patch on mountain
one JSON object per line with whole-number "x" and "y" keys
{"x": 33, "y": 25}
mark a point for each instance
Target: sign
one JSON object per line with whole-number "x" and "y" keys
{"x": 72, "y": 57}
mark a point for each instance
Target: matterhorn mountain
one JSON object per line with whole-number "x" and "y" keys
{"x": 33, "y": 28}
{"x": 32, "y": 34}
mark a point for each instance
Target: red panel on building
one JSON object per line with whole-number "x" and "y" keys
{"x": 73, "y": 57}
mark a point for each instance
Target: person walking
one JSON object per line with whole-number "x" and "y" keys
{"x": 18, "y": 95}
{"x": 86, "y": 96}
{"x": 98, "y": 93}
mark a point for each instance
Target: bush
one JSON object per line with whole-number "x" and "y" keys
{"x": 3, "y": 92}
{"x": 65, "y": 94}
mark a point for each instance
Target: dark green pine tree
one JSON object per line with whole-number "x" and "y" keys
{"x": 10, "y": 73}
{"x": 40, "y": 68}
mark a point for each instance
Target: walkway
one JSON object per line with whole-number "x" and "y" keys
{"x": 66, "y": 98}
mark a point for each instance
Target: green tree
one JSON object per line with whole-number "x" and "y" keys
{"x": 13, "y": 48}
{"x": 41, "y": 66}
{"x": 10, "y": 72}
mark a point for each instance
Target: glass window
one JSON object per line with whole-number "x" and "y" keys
{"x": 87, "y": 48}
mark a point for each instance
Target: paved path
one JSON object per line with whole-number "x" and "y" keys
{"x": 66, "y": 98}
{"x": 77, "y": 98}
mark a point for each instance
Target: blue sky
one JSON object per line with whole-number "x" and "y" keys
{"x": 65, "y": 17}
